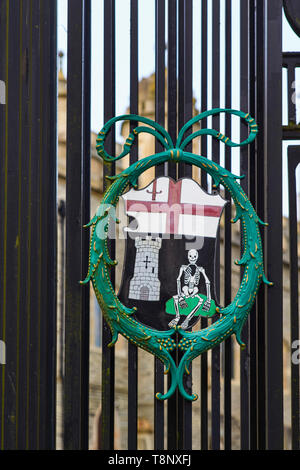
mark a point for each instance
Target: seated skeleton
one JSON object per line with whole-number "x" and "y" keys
{"x": 190, "y": 274}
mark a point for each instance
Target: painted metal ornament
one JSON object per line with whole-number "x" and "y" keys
{"x": 152, "y": 305}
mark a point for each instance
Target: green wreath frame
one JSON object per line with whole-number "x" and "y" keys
{"x": 118, "y": 316}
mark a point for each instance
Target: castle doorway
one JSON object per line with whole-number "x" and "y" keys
{"x": 144, "y": 293}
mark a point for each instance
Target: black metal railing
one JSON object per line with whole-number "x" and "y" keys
{"x": 28, "y": 213}
{"x": 76, "y": 382}
{"x": 28, "y": 223}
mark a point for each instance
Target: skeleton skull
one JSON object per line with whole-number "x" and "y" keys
{"x": 193, "y": 256}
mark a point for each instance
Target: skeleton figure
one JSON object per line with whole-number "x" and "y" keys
{"x": 190, "y": 275}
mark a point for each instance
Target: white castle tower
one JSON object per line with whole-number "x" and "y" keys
{"x": 145, "y": 284}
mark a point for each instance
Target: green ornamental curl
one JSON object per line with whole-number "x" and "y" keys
{"x": 118, "y": 316}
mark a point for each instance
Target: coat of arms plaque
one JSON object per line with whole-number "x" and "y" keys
{"x": 168, "y": 278}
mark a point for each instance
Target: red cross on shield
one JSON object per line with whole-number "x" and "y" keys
{"x": 168, "y": 269}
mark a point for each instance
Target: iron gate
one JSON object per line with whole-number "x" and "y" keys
{"x": 28, "y": 205}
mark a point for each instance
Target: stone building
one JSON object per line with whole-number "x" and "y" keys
{"x": 145, "y": 361}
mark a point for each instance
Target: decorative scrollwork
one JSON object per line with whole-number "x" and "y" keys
{"x": 163, "y": 136}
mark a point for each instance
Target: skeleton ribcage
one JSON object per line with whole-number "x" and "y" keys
{"x": 188, "y": 273}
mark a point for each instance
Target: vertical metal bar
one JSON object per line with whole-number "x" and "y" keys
{"x": 172, "y": 77}
{"x": 185, "y": 111}
{"x": 9, "y": 205}
{"x": 134, "y": 108}
{"x": 204, "y": 83}
{"x": 244, "y": 157}
{"x": 77, "y": 214}
{"x": 215, "y": 354}
{"x": 33, "y": 267}
{"x": 86, "y": 211}
{"x": 48, "y": 191}
{"x": 185, "y": 72}
{"x": 62, "y": 216}
{"x": 273, "y": 237}
{"x": 293, "y": 161}
{"x": 252, "y": 193}
{"x": 49, "y": 197}
{"x": 260, "y": 59}
{"x": 159, "y": 171}
{"x": 227, "y": 233}
{"x": 28, "y": 228}
{"x": 108, "y": 356}
{"x": 159, "y": 73}
{"x": 204, "y": 322}
{"x": 172, "y": 172}
{"x": 132, "y": 396}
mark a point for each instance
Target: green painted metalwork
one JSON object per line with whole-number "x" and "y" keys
{"x": 117, "y": 315}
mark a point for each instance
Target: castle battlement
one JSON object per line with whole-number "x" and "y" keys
{"x": 148, "y": 241}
